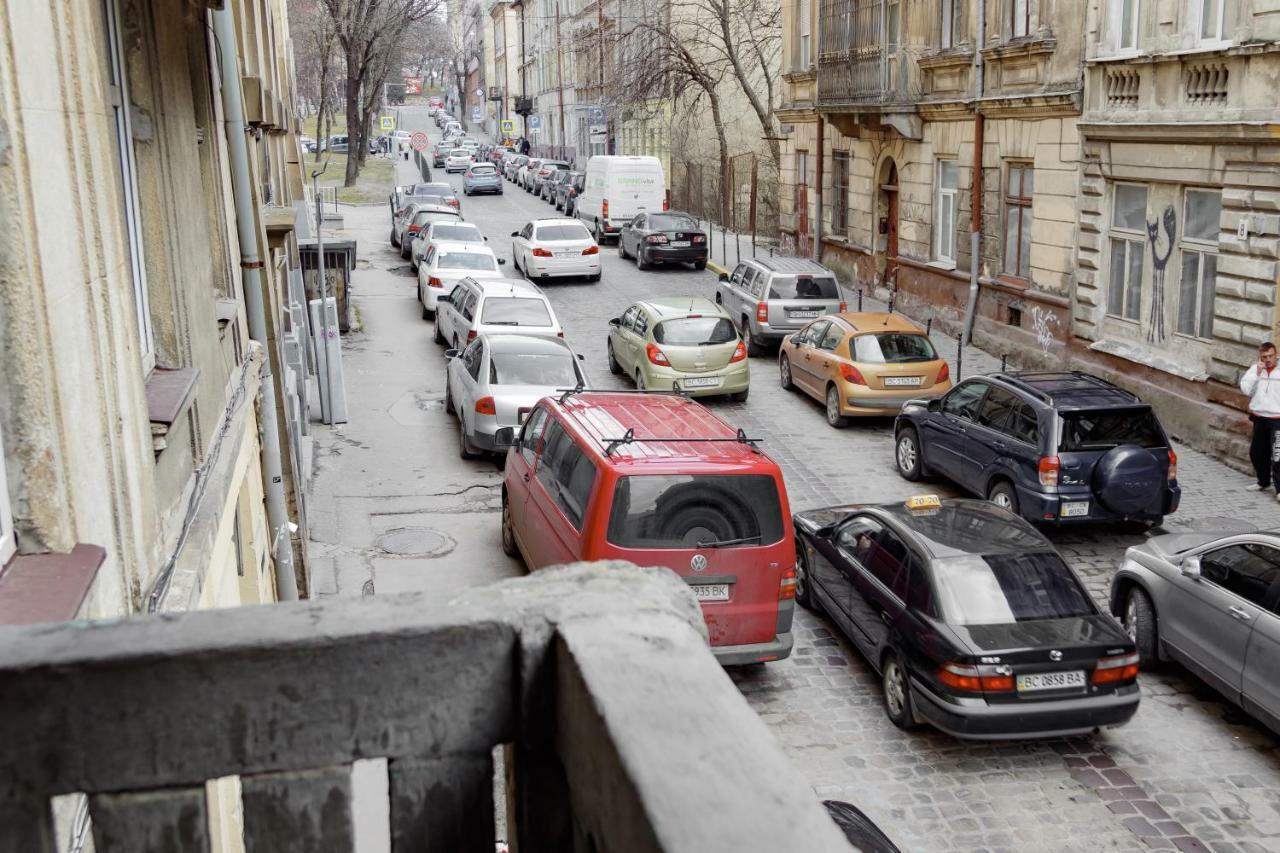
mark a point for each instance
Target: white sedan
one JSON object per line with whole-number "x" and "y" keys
{"x": 547, "y": 248}
{"x": 458, "y": 160}
{"x": 444, "y": 264}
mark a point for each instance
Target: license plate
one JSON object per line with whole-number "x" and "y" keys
{"x": 710, "y": 591}
{"x": 567, "y": 254}
{"x": 679, "y": 244}
{"x": 702, "y": 382}
{"x": 898, "y": 381}
{"x": 1075, "y": 509}
{"x": 1051, "y": 681}
{"x": 802, "y": 315}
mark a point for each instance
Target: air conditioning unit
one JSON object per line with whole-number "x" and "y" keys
{"x": 524, "y": 105}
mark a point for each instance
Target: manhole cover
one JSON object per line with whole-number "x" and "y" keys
{"x": 416, "y": 542}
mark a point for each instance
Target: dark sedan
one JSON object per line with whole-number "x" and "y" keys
{"x": 975, "y": 623}
{"x": 567, "y": 193}
{"x": 663, "y": 238}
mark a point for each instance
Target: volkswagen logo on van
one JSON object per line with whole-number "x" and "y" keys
{"x": 1055, "y": 655}
{"x": 699, "y": 562}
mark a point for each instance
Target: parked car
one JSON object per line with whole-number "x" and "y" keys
{"x": 438, "y": 152}
{"x": 552, "y": 183}
{"x": 547, "y": 248}
{"x": 443, "y": 232}
{"x": 616, "y": 189}
{"x": 527, "y": 170}
{"x": 452, "y": 128}
{"x": 498, "y": 153}
{"x": 546, "y": 171}
{"x": 974, "y": 622}
{"x": 771, "y": 298}
{"x": 421, "y": 215}
{"x": 476, "y": 306}
{"x": 308, "y": 144}
{"x": 444, "y": 264}
{"x": 458, "y": 160}
{"x": 511, "y": 170}
{"x": 863, "y": 364}
{"x": 400, "y": 223}
{"x": 685, "y": 344}
{"x": 663, "y": 238}
{"x": 1211, "y": 601}
{"x": 481, "y": 178}
{"x": 564, "y": 187}
{"x": 497, "y": 380}
{"x": 337, "y": 143}
{"x": 1052, "y": 447}
{"x": 658, "y": 480}
{"x": 436, "y": 193}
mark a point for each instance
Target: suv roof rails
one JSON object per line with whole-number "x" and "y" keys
{"x": 629, "y": 437}
{"x": 1094, "y": 383}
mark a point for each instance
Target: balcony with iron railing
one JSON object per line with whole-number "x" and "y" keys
{"x": 617, "y": 729}
{"x": 865, "y": 64}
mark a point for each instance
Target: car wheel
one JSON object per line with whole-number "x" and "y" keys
{"x": 392, "y": 238}
{"x": 834, "y": 418}
{"x": 906, "y": 454}
{"x": 422, "y": 302}
{"x": 1003, "y": 495}
{"x": 614, "y": 367}
{"x": 639, "y": 381}
{"x": 749, "y": 342}
{"x": 509, "y": 546}
{"x": 465, "y": 450}
{"x": 1140, "y": 625}
{"x": 515, "y": 259}
{"x": 700, "y": 265}
{"x": 404, "y": 250}
{"x": 784, "y": 374}
{"x": 804, "y": 596}
{"x": 740, "y": 396}
{"x": 594, "y": 278}
{"x": 599, "y": 235}
{"x": 897, "y": 693}
{"x": 448, "y": 397}
{"x": 641, "y": 263}
{"x": 439, "y": 338}
{"x": 622, "y": 249}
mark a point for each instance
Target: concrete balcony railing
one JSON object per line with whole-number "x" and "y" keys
{"x": 619, "y": 730}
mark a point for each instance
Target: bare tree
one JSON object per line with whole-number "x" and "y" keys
{"x": 316, "y": 41}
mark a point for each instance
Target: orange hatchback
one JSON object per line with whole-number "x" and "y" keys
{"x": 863, "y": 364}
{"x": 658, "y": 480}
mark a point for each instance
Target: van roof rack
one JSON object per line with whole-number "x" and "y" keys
{"x": 629, "y": 437}
{"x": 566, "y": 393}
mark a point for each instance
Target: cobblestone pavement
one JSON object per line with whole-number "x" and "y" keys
{"x": 1190, "y": 772}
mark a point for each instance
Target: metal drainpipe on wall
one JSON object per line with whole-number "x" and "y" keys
{"x": 975, "y": 227}
{"x": 251, "y": 274}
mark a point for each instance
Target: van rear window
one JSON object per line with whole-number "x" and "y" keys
{"x": 803, "y": 287}
{"x": 1102, "y": 430}
{"x": 695, "y": 511}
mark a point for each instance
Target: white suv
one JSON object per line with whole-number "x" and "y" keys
{"x": 493, "y": 308}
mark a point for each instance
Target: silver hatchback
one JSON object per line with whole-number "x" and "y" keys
{"x": 1210, "y": 601}
{"x": 771, "y": 298}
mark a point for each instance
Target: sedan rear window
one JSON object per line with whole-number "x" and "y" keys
{"x": 562, "y": 232}
{"x": 694, "y": 331}
{"x": 891, "y": 349}
{"x": 522, "y": 368}
{"x": 803, "y": 287}
{"x": 459, "y": 152}
{"x": 467, "y": 261}
{"x": 457, "y": 233}
{"x": 502, "y": 311}
{"x": 1001, "y": 589}
{"x": 666, "y": 222}
{"x": 681, "y": 511}
{"x": 1103, "y": 430}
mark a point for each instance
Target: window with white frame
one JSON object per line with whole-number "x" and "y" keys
{"x": 1128, "y": 243}
{"x": 1199, "y": 248}
{"x": 1125, "y": 17}
{"x": 1210, "y": 20}
{"x": 802, "y": 180}
{"x": 118, "y": 94}
{"x": 1018, "y": 192}
{"x": 946, "y": 194}
{"x": 8, "y": 541}
{"x": 1020, "y": 18}
{"x": 804, "y": 34}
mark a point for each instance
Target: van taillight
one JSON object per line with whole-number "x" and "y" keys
{"x": 762, "y": 312}
{"x": 1173, "y": 466}
{"x": 1050, "y": 467}
{"x": 471, "y": 336}
{"x": 787, "y": 587}
{"x": 666, "y": 201}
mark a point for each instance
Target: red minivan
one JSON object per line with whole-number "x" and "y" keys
{"x": 658, "y": 480}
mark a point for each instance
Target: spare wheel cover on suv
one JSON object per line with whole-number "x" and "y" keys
{"x": 1126, "y": 478}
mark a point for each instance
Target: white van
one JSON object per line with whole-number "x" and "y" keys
{"x": 616, "y": 189}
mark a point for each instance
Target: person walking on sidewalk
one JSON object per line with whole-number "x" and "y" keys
{"x": 1262, "y": 383}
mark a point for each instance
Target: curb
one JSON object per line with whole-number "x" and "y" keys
{"x": 716, "y": 268}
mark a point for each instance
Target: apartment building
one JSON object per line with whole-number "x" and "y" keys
{"x": 503, "y": 46}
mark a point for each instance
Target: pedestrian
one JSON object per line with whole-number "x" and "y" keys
{"x": 1261, "y": 383}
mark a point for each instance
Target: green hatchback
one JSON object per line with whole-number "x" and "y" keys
{"x": 685, "y": 344}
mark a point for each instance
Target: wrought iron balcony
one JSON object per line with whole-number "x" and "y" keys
{"x": 619, "y": 730}
{"x": 862, "y": 62}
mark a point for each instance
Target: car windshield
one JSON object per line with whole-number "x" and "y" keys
{"x": 680, "y": 511}
{"x": 523, "y": 368}
{"x": 503, "y": 311}
{"x": 694, "y": 331}
{"x": 1001, "y": 589}
{"x": 667, "y": 222}
{"x": 562, "y": 232}
{"x": 457, "y": 233}
{"x": 803, "y": 287}
{"x": 1103, "y": 430}
{"x": 893, "y": 348}
{"x": 467, "y": 261}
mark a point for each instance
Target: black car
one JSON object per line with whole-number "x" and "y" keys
{"x": 975, "y": 623}
{"x": 1051, "y": 447}
{"x": 552, "y": 187}
{"x": 663, "y": 238}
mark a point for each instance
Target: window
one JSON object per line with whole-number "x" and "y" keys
{"x": 813, "y": 333}
{"x": 1125, "y": 20}
{"x": 878, "y": 550}
{"x": 804, "y": 22}
{"x": 833, "y": 337}
{"x": 1210, "y": 23}
{"x": 1022, "y": 424}
{"x": 1002, "y": 589}
{"x": 995, "y": 410}
{"x": 1249, "y": 570}
{"x": 951, "y": 15}
{"x": 681, "y": 510}
{"x": 567, "y": 474}
{"x": 840, "y": 192}
{"x": 1019, "y": 188}
{"x": 695, "y": 332}
{"x": 1199, "y": 262}
{"x": 1128, "y": 245}
{"x": 963, "y": 401}
{"x": 1020, "y": 18}
{"x": 530, "y": 435}
{"x": 802, "y": 182}
{"x": 518, "y": 311}
{"x": 555, "y": 370}
{"x": 8, "y": 542}
{"x": 118, "y": 94}
{"x": 944, "y": 206}
{"x": 919, "y": 595}
{"x": 803, "y": 287}
{"x": 472, "y": 357}
{"x": 892, "y": 348}
{"x": 1080, "y": 432}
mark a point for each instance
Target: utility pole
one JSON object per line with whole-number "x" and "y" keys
{"x": 560, "y": 76}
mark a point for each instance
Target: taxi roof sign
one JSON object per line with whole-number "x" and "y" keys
{"x": 924, "y": 502}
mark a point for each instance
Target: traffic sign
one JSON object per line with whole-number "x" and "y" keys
{"x": 534, "y": 122}
{"x": 508, "y": 126}
{"x": 387, "y": 122}
{"x": 475, "y": 114}
{"x": 418, "y": 141}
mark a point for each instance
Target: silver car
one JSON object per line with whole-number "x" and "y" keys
{"x": 771, "y": 298}
{"x": 1210, "y": 601}
{"x": 497, "y": 380}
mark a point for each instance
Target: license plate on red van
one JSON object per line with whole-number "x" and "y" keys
{"x": 710, "y": 591}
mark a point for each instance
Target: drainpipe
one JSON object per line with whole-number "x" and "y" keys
{"x": 975, "y": 224}
{"x": 817, "y": 195}
{"x": 224, "y": 31}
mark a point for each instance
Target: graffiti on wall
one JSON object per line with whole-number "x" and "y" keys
{"x": 1042, "y": 324}
{"x": 1156, "y": 330}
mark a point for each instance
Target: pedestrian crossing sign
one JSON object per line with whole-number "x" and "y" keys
{"x": 387, "y": 122}
{"x": 508, "y": 126}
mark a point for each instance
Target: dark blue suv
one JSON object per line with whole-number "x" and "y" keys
{"x": 1051, "y": 447}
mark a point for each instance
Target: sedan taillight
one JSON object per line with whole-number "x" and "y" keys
{"x": 974, "y": 679}
{"x": 432, "y": 281}
{"x": 540, "y": 253}
{"x": 656, "y": 356}
{"x": 471, "y": 336}
{"x": 698, "y": 238}
{"x": 656, "y": 238}
{"x": 852, "y": 374}
{"x": 486, "y": 406}
{"x": 591, "y": 250}
{"x": 452, "y": 202}
{"x": 1111, "y": 670}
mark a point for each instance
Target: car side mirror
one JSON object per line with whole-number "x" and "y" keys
{"x": 515, "y": 233}
{"x": 1191, "y": 568}
{"x": 581, "y": 357}
{"x": 935, "y": 405}
{"x": 451, "y": 354}
{"x": 724, "y": 276}
{"x": 443, "y": 299}
{"x": 502, "y": 261}
{"x": 504, "y": 437}
{"x": 615, "y": 321}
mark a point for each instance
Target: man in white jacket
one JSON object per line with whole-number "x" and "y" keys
{"x": 1262, "y": 383}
